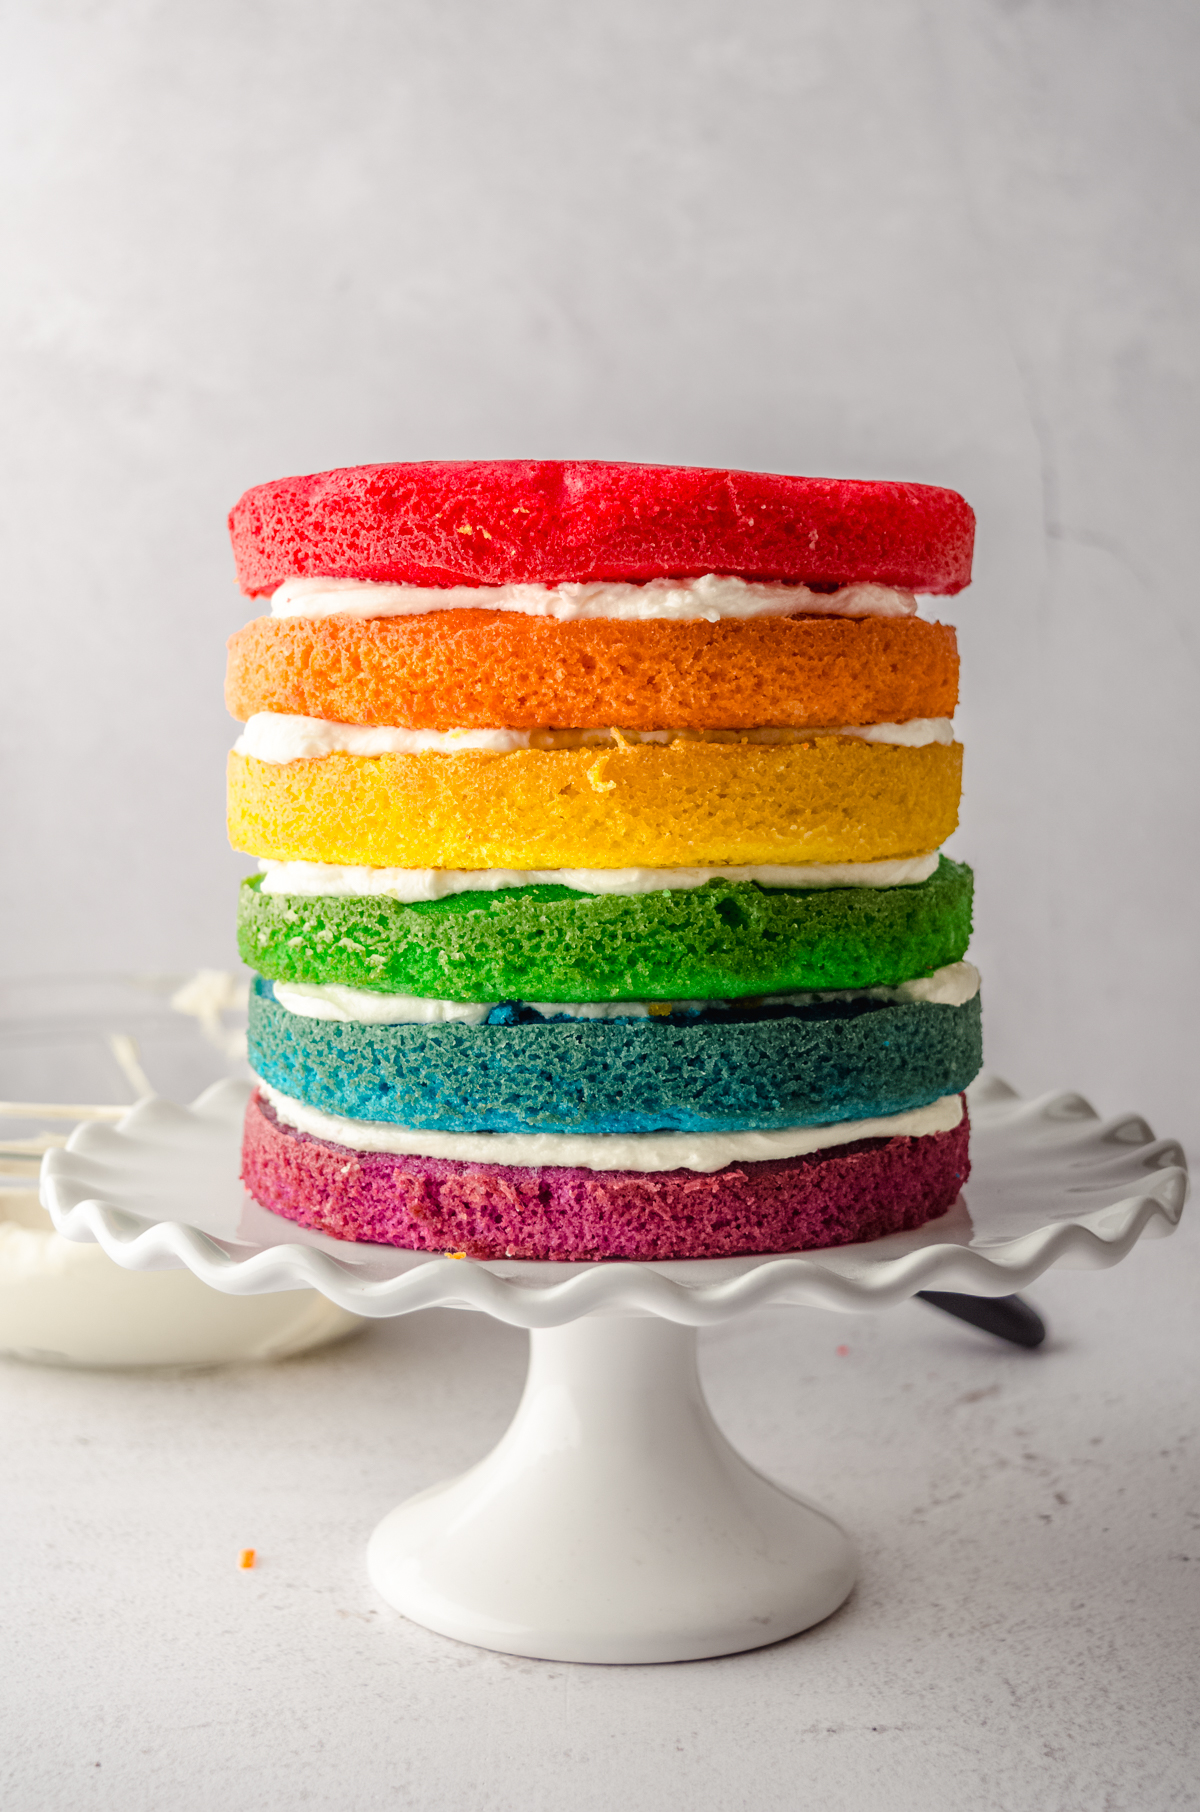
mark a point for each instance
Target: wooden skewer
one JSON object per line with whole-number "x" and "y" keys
{"x": 58, "y": 1110}
{"x": 125, "y": 1050}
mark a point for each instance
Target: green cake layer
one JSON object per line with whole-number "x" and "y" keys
{"x": 720, "y": 941}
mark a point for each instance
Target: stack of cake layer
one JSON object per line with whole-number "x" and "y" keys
{"x": 599, "y": 810}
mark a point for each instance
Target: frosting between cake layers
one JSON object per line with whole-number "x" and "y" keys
{"x": 952, "y": 986}
{"x": 709, "y": 598}
{"x": 356, "y": 1006}
{"x": 411, "y": 886}
{"x": 275, "y": 736}
{"x": 644, "y": 1152}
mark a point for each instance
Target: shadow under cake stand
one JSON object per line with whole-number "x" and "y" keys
{"x": 614, "y": 1522}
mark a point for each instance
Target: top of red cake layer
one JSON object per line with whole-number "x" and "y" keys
{"x": 551, "y": 522}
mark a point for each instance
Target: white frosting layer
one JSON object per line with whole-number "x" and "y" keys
{"x": 274, "y": 736}
{"x": 646, "y": 1152}
{"x": 710, "y": 598}
{"x": 917, "y": 733}
{"x": 952, "y": 986}
{"x": 329, "y": 1000}
{"x": 326, "y": 880}
{"x": 358, "y": 1006}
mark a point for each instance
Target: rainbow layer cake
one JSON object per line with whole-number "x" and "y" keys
{"x": 598, "y": 810}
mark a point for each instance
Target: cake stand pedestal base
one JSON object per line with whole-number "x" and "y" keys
{"x": 613, "y": 1522}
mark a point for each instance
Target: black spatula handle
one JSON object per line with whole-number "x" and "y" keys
{"x": 1006, "y": 1316}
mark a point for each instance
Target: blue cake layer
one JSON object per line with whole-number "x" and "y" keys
{"x": 721, "y": 1072}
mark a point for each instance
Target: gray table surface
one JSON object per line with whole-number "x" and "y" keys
{"x": 1024, "y": 1633}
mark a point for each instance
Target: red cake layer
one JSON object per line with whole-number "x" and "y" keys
{"x": 835, "y": 1198}
{"x": 498, "y": 522}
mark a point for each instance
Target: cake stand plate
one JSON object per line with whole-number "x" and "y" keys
{"x": 614, "y": 1522}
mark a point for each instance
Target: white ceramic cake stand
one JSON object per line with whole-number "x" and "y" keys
{"x": 614, "y": 1522}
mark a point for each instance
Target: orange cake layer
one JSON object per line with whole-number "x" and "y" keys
{"x": 473, "y": 669}
{"x": 831, "y": 799}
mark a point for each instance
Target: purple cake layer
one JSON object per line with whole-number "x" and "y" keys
{"x": 850, "y": 1193}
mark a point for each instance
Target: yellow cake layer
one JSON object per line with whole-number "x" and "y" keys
{"x": 691, "y": 804}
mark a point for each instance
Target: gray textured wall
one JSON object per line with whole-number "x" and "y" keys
{"x": 947, "y": 240}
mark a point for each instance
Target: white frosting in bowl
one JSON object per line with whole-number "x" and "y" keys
{"x": 62, "y": 1303}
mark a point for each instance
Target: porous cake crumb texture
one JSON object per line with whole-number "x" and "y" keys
{"x": 853, "y": 1193}
{"x": 466, "y": 669}
{"x": 723, "y": 940}
{"x": 549, "y": 522}
{"x": 720, "y": 1059}
{"x": 831, "y": 799}
{"x": 839, "y": 1061}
